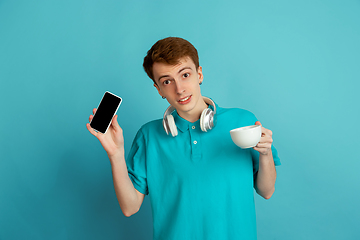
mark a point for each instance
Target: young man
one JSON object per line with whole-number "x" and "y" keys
{"x": 199, "y": 182}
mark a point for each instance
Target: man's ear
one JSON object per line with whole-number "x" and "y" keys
{"x": 157, "y": 88}
{"x": 200, "y": 74}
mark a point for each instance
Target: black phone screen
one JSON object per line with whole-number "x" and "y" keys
{"x": 105, "y": 112}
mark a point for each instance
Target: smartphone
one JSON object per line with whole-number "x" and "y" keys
{"x": 105, "y": 112}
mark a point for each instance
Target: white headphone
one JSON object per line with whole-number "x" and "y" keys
{"x": 207, "y": 119}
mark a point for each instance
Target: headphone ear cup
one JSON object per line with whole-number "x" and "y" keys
{"x": 166, "y": 125}
{"x": 171, "y": 125}
{"x": 203, "y": 121}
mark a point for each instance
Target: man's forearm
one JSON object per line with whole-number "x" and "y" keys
{"x": 266, "y": 176}
{"x": 129, "y": 198}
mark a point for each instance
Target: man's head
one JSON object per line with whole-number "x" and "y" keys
{"x": 169, "y": 51}
{"x": 173, "y": 64}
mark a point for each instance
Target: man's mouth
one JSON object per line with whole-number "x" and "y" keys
{"x": 184, "y": 100}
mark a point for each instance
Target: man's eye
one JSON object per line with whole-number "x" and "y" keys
{"x": 186, "y": 75}
{"x": 166, "y": 82}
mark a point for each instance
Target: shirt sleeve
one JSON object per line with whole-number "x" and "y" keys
{"x": 136, "y": 163}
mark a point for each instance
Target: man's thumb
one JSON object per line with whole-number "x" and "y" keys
{"x": 257, "y": 123}
{"x": 115, "y": 122}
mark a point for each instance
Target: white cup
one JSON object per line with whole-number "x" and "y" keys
{"x": 246, "y": 137}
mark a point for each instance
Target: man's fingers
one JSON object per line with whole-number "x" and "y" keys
{"x": 266, "y": 139}
{"x": 256, "y": 148}
{"x": 261, "y": 150}
{"x": 266, "y": 131}
{"x": 264, "y": 145}
{"x": 94, "y": 110}
{"x": 90, "y": 129}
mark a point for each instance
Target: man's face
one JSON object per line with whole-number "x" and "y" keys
{"x": 179, "y": 84}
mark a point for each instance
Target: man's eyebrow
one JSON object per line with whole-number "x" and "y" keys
{"x": 163, "y": 76}
{"x": 184, "y": 69}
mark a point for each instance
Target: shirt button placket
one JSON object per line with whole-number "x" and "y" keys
{"x": 195, "y": 144}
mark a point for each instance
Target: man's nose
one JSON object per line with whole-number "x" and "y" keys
{"x": 179, "y": 87}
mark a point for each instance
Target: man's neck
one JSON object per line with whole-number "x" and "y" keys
{"x": 195, "y": 114}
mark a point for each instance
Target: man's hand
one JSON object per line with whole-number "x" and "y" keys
{"x": 264, "y": 145}
{"x": 113, "y": 140}
{"x": 129, "y": 198}
{"x": 266, "y": 177}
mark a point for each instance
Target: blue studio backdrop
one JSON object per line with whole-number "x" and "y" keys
{"x": 294, "y": 64}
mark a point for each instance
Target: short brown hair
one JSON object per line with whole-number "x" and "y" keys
{"x": 169, "y": 50}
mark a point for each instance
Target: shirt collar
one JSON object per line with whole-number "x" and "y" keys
{"x": 181, "y": 123}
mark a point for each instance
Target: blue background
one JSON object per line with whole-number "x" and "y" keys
{"x": 294, "y": 64}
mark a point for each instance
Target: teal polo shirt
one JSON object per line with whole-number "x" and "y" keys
{"x": 200, "y": 184}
